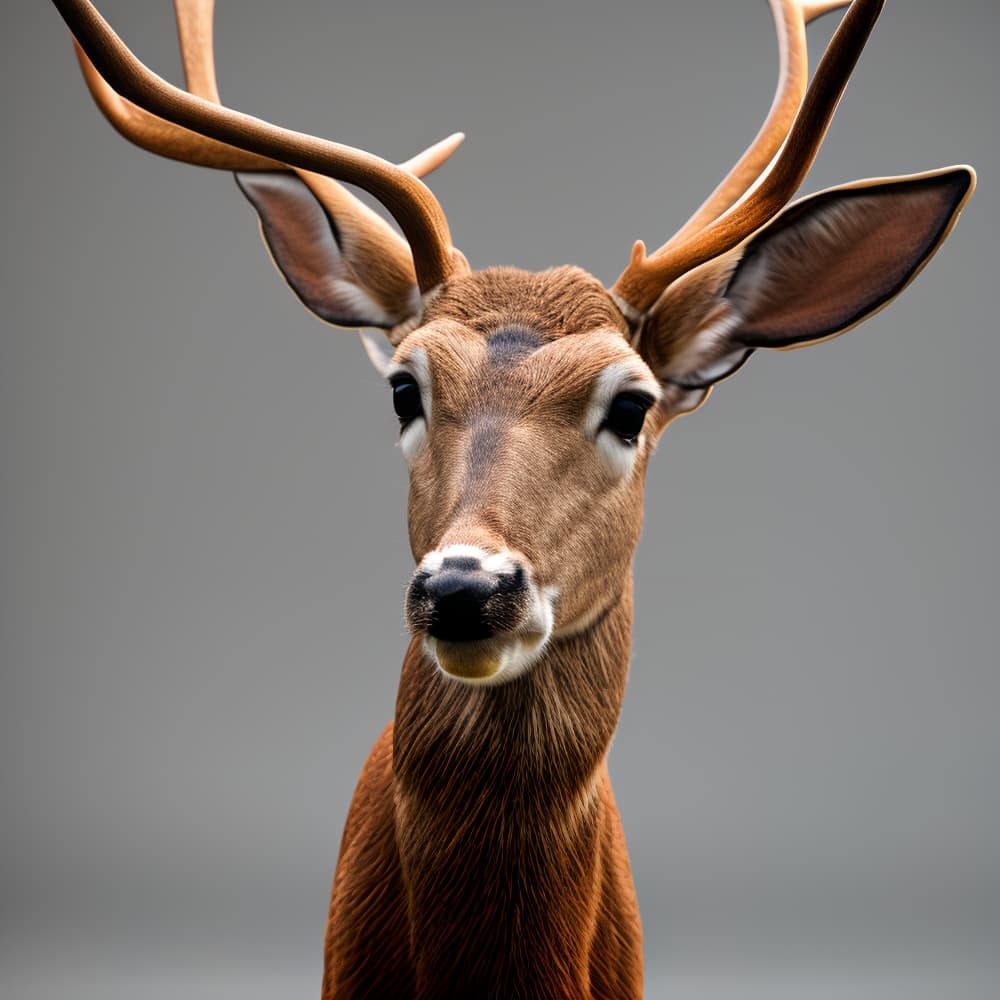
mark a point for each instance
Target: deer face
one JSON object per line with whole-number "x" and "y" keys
{"x": 529, "y": 404}
{"x": 526, "y": 428}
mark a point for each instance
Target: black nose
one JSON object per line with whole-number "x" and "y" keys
{"x": 462, "y": 602}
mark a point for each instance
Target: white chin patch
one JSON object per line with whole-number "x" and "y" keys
{"x": 486, "y": 661}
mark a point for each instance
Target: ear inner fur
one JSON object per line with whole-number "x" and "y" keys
{"x": 863, "y": 248}
{"x": 825, "y": 264}
{"x": 323, "y": 266}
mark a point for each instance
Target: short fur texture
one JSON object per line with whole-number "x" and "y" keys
{"x": 483, "y": 854}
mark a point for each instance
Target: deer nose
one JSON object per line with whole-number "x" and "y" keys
{"x": 459, "y": 600}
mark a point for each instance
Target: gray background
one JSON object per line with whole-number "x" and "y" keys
{"x": 203, "y": 542}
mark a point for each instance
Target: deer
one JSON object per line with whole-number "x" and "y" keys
{"x": 483, "y": 854}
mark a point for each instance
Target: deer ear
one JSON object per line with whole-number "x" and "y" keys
{"x": 328, "y": 257}
{"x": 821, "y": 267}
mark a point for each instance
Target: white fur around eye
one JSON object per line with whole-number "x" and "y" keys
{"x": 615, "y": 455}
{"x": 414, "y": 433}
{"x": 412, "y": 437}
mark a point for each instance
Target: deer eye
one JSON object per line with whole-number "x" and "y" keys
{"x": 626, "y": 415}
{"x": 406, "y": 398}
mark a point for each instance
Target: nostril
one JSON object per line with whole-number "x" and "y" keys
{"x": 509, "y": 583}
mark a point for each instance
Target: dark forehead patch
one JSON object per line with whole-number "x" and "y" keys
{"x": 507, "y": 346}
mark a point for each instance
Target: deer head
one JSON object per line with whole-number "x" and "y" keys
{"x": 530, "y": 404}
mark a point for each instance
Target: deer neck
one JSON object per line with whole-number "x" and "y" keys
{"x": 541, "y": 735}
{"x": 501, "y": 805}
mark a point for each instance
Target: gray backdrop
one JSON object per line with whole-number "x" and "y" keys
{"x": 203, "y": 543}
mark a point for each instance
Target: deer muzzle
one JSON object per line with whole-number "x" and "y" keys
{"x": 480, "y": 614}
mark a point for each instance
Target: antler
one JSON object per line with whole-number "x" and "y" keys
{"x": 161, "y": 137}
{"x": 724, "y": 221}
{"x": 790, "y": 19}
{"x": 193, "y": 127}
{"x": 194, "y": 28}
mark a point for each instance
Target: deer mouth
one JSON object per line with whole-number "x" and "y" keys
{"x": 486, "y": 659}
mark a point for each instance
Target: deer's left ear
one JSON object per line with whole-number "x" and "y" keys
{"x": 821, "y": 267}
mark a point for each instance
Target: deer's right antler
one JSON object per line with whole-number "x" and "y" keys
{"x": 193, "y": 127}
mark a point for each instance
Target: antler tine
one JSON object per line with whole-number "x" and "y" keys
{"x": 810, "y": 11}
{"x": 790, "y": 19}
{"x": 433, "y": 156}
{"x": 407, "y": 199}
{"x": 645, "y": 278}
{"x": 194, "y": 34}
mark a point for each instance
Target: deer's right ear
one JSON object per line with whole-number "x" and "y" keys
{"x": 329, "y": 251}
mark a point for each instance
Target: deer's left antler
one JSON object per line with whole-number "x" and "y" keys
{"x": 725, "y": 221}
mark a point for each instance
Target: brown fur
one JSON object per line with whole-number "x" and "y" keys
{"x": 483, "y": 854}
{"x": 555, "y": 303}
